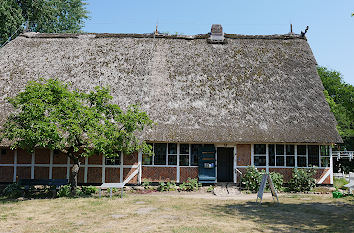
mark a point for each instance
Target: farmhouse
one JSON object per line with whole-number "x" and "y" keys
{"x": 221, "y": 102}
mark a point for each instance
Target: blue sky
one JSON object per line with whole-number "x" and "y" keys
{"x": 331, "y": 33}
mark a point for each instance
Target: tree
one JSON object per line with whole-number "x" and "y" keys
{"x": 340, "y": 97}
{"x": 11, "y": 20}
{"x": 50, "y": 115}
{"x": 50, "y": 16}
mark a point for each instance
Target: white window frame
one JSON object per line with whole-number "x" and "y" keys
{"x": 296, "y": 155}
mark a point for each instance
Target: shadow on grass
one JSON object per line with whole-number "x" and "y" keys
{"x": 293, "y": 217}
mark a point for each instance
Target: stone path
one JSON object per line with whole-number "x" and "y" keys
{"x": 226, "y": 189}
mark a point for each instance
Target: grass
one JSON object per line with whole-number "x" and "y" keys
{"x": 340, "y": 182}
{"x": 179, "y": 213}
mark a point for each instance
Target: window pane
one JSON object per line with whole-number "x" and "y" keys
{"x": 280, "y": 161}
{"x": 314, "y": 158}
{"x": 259, "y": 160}
{"x": 184, "y": 160}
{"x": 184, "y": 149}
{"x": 290, "y": 150}
{"x": 280, "y": 149}
{"x": 271, "y": 155}
{"x": 113, "y": 161}
{"x": 147, "y": 160}
{"x": 325, "y": 162}
{"x": 172, "y": 159}
{"x": 194, "y": 154}
{"x": 301, "y": 161}
{"x": 172, "y": 148}
{"x": 290, "y": 161}
{"x": 324, "y": 150}
{"x": 260, "y": 149}
{"x": 160, "y": 153}
{"x": 301, "y": 150}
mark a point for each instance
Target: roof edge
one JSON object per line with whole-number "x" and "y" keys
{"x": 151, "y": 35}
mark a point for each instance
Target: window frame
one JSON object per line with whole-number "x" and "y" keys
{"x": 321, "y": 156}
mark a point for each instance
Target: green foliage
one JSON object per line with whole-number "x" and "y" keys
{"x": 64, "y": 191}
{"x": 190, "y": 185}
{"x": 88, "y": 190}
{"x": 169, "y": 186}
{"x": 277, "y": 179}
{"x": 251, "y": 179}
{"x": 339, "y": 183}
{"x": 50, "y": 16}
{"x": 340, "y": 97}
{"x": 12, "y": 191}
{"x": 302, "y": 180}
{"x": 10, "y": 19}
{"x": 146, "y": 183}
{"x": 50, "y": 115}
{"x": 210, "y": 189}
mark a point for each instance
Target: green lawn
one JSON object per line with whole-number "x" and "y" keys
{"x": 179, "y": 213}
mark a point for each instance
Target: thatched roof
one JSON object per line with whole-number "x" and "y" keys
{"x": 251, "y": 89}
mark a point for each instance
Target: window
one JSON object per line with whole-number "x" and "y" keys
{"x": 147, "y": 159}
{"x": 279, "y": 151}
{"x": 172, "y": 154}
{"x": 313, "y": 156}
{"x": 260, "y": 154}
{"x": 184, "y": 155}
{"x": 160, "y": 153}
{"x": 301, "y": 156}
{"x": 113, "y": 160}
{"x": 271, "y": 152}
{"x": 325, "y": 158}
{"x": 195, "y": 154}
{"x": 290, "y": 155}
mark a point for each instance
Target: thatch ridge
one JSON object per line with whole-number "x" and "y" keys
{"x": 251, "y": 89}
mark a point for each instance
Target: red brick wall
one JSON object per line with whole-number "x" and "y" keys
{"x": 42, "y": 156}
{"x": 244, "y": 155}
{"x": 94, "y": 175}
{"x": 130, "y": 159}
{"x": 41, "y": 172}
{"x": 23, "y": 157}
{"x": 8, "y": 157}
{"x": 59, "y": 158}
{"x": 59, "y": 173}
{"x": 127, "y": 172}
{"x": 186, "y": 172}
{"x": 23, "y": 172}
{"x": 6, "y": 174}
{"x": 95, "y": 159}
{"x": 112, "y": 175}
{"x": 156, "y": 174}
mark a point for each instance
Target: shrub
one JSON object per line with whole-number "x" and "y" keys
{"x": 146, "y": 183}
{"x": 210, "y": 189}
{"x": 64, "y": 191}
{"x": 190, "y": 185}
{"x": 277, "y": 179}
{"x": 251, "y": 179}
{"x": 302, "y": 180}
{"x": 88, "y": 190}
{"x": 12, "y": 191}
{"x": 169, "y": 186}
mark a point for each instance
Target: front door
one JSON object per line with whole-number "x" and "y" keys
{"x": 225, "y": 164}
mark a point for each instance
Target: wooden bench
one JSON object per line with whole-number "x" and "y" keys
{"x": 111, "y": 186}
{"x": 53, "y": 183}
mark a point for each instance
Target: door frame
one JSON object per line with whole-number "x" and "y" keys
{"x": 234, "y": 159}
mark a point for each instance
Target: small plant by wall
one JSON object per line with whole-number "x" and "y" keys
{"x": 302, "y": 180}
{"x": 190, "y": 185}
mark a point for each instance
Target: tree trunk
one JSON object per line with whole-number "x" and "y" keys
{"x": 73, "y": 176}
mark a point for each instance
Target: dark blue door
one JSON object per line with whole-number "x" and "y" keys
{"x": 206, "y": 162}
